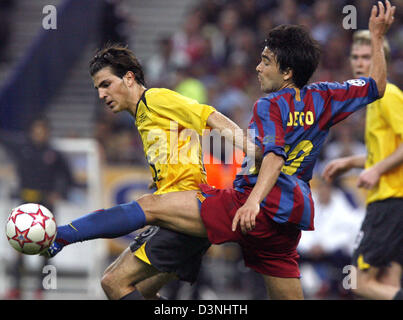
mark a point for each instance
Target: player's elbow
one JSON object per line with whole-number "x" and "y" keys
{"x": 381, "y": 93}
{"x": 149, "y": 205}
{"x": 381, "y": 85}
{"x": 214, "y": 120}
{"x": 274, "y": 162}
{"x": 217, "y": 120}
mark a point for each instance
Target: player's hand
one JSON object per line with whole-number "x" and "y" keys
{"x": 246, "y": 216}
{"x": 335, "y": 168}
{"x": 369, "y": 178}
{"x": 381, "y": 19}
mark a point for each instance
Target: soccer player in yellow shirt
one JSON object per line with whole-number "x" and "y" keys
{"x": 379, "y": 246}
{"x": 170, "y": 125}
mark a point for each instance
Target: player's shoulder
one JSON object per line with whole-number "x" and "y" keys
{"x": 331, "y": 85}
{"x": 155, "y": 93}
{"x": 156, "y": 97}
{"x": 392, "y": 98}
{"x": 167, "y": 95}
{"x": 263, "y": 104}
{"x": 274, "y": 97}
{"x": 321, "y": 86}
{"x": 275, "y": 102}
{"x": 392, "y": 89}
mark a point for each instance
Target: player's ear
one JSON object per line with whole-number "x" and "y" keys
{"x": 287, "y": 74}
{"x": 129, "y": 78}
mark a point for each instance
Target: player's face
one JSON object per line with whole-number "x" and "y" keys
{"x": 360, "y": 59}
{"x": 268, "y": 72}
{"x": 39, "y": 133}
{"x": 111, "y": 89}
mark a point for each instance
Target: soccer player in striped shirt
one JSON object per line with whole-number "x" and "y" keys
{"x": 273, "y": 203}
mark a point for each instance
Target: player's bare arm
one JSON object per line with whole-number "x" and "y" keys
{"x": 268, "y": 175}
{"x": 369, "y": 178}
{"x": 233, "y": 133}
{"x": 339, "y": 166}
{"x": 379, "y": 23}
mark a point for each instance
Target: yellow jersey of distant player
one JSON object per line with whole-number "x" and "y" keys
{"x": 383, "y": 135}
{"x": 170, "y": 125}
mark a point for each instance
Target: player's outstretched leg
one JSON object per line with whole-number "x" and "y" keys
{"x": 105, "y": 223}
{"x": 178, "y": 211}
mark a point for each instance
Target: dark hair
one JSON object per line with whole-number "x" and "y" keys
{"x": 294, "y": 49}
{"x": 120, "y": 59}
{"x": 42, "y": 119}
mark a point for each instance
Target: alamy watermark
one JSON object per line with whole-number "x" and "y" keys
{"x": 350, "y": 280}
{"x": 49, "y": 22}
{"x": 180, "y": 145}
{"x": 49, "y": 282}
{"x": 350, "y": 20}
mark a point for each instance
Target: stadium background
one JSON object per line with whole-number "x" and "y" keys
{"x": 206, "y": 49}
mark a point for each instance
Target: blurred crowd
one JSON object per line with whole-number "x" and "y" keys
{"x": 6, "y": 8}
{"x": 213, "y": 58}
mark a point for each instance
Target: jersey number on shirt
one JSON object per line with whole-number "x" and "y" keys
{"x": 296, "y": 156}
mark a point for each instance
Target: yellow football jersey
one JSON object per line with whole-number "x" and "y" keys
{"x": 170, "y": 125}
{"x": 383, "y": 134}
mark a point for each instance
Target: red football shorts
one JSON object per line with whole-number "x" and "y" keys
{"x": 270, "y": 248}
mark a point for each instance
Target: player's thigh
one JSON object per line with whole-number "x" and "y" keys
{"x": 178, "y": 211}
{"x": 127, "y": 270}
{"x": 283, "y": 288}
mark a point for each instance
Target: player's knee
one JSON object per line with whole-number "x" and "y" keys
{"x": 111, "y": 284}
{"x": 149, "y": 203}
{"x": 107, "y": 283}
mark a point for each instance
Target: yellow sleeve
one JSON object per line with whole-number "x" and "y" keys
{"x": 392, "y": 108}
{"x": 185, "y": 111}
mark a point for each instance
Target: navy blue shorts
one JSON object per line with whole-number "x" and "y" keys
{"x": 171, "y": 252}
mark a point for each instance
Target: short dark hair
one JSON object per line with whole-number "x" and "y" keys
{"x": 294, "y": 49}
{"x": 120, "y": 59}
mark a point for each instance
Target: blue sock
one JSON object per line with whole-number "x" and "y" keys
{"x": 105, "y": 223}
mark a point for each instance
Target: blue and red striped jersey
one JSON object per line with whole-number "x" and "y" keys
{"x": 294, "y": 123}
